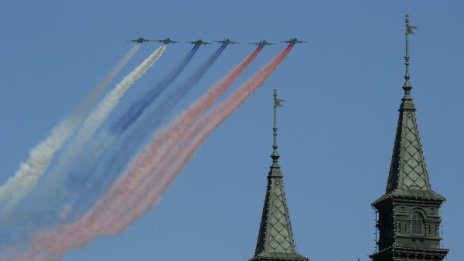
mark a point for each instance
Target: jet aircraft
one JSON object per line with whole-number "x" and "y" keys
{"x": 294, "y": 41}
{"x": 198, "y": 42}
{"x": 141, "y": 40}
{"x": 226, "y": 41}
{"x": 262, "y": 43}
{"x": 167, "y": 41}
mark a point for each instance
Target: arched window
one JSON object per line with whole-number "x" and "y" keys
{"x": 417, "y": 223}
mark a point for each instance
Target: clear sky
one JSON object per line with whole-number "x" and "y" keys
{"x": 342, "y": 92}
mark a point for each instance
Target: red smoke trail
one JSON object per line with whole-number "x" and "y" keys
{"x": 102, "y": 219}
{"x": 150, "y": 192}
{"x": 164, "y": 141}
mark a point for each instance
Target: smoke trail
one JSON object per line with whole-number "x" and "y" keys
{"x": 102, "y": 220}
{"x": 40, "y": 156}
{"x": 137, "y": 108}
{"x": 133, "y": 139}
{"x": 92, "y": 99}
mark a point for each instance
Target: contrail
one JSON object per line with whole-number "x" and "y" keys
{"x": 40, "y": 156}
{"x": 102, "y": 220}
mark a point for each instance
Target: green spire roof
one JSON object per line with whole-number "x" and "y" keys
{"x": 275, "y": 239}
{"x": 408, "y": 173}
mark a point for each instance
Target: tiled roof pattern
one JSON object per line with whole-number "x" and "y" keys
{"x": 408, "y": 170}
{"x": 408, "y": 174}
{"x": 275, "y": 239}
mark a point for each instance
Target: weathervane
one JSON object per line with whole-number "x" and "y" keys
{"x": 410, "y": 29}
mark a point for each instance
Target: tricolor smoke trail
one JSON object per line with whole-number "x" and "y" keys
{"x": 80, "y": 160}
{"x": 49, "y": 193}
{"x": 92, "y": 186}
{"x": 134, "y": 137}
{"x": 165, "y": 172}
{"x": 103, "y": 218}
{"x": 165, "y": 139}
{"x": 19, "y": 185}
{"x": 87, "y": 130}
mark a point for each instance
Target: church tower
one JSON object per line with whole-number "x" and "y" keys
{"x": 275, "y": 239}
{"x": 408, "y": 213}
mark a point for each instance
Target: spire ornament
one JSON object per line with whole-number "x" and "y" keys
{"x": 407, "y": 101}
{"x": 410, "y": 29}
{"x": 275, "y": 154}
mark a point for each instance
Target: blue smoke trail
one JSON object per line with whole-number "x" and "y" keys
{"x": 138, "y": 107}
{"x": 131, "y": 141}
{"x": 161, "y": 110}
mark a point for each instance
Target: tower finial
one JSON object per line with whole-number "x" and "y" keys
{"x": 409, "y": 30}
{"x": 275, "y": 154}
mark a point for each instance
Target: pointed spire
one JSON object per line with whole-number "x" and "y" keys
{"x": 408, "y": 172}
{"x": 275, "y": 239}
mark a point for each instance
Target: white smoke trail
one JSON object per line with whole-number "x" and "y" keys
{"x": 40, "y": 156}
{"x": 98, "y": 116}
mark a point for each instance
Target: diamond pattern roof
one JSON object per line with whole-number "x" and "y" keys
{"x": 408, "y": 170}
{"x": 275, "y": 239}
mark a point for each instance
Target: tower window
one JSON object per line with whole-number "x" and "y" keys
{"x": 417, "y": 223}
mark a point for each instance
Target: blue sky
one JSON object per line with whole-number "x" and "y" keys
{"x": 342, "y": 92}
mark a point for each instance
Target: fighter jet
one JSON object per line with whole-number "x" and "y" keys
{"x": 140, "y": 40}
{"x": 167, "y": 41}
{"x": 293, "y": 41}
{"x": 198, "y": 42}
{"x": 226, "y": 41}
{"x": 262, "y": 43}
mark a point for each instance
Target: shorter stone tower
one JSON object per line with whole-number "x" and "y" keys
{"x": 275, "y": 239}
